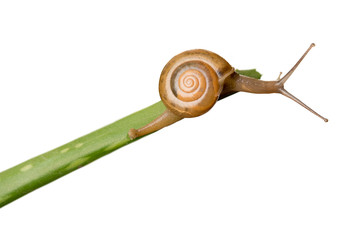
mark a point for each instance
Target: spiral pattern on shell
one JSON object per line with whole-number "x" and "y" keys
{"x": 191, "y": 85}
{"x": 190, "y": 82}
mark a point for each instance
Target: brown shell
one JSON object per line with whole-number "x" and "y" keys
{"x": 191, "y": 82}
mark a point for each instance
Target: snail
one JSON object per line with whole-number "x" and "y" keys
{"x": 193, "y": 81}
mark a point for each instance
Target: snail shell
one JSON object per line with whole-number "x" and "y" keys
{"x": 192, "y": 81}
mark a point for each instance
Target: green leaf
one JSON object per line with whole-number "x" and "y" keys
{"x": 250, "y": 73}
{"x": 45, "y": 168}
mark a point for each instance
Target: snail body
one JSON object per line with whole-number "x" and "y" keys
{"x": 192, "y": 82}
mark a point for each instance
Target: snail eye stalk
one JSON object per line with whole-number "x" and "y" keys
{"x": 282, "y": 81}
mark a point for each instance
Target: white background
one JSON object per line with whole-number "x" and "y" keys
{"x": 254, "y": 167}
